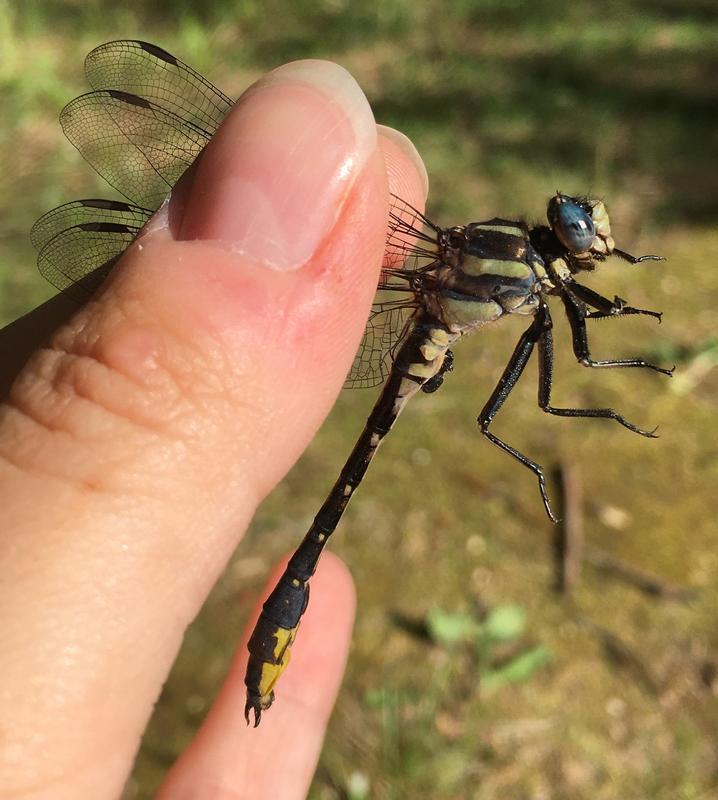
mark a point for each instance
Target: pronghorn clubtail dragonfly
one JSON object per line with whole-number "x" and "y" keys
{"x": 148, "y": 118}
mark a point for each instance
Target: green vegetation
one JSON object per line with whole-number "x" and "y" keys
{"x": 506, "y": 100}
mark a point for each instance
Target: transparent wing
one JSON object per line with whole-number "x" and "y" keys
{"x": 138, "y": 147}
{"x": 150, "y": 72}
{"x": 413, "y": 243}
{"x": 148, "y": 119}
{"x": 79, "y": 242}
{"x": 412, "y": 248}
{"x": 387, "y": 325}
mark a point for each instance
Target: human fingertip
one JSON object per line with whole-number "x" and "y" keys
{"x": 273, "y": 180}
{"x": 391, "y": 138}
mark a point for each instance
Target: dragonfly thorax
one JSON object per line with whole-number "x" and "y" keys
{"x": 487, "y": 269}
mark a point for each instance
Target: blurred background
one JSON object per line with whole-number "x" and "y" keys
{"x": 495, "y": 655}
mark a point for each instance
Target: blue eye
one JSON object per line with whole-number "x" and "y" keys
{"x": 571, "y": 223}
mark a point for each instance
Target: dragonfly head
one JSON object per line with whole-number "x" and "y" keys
{"x": 581, "y": 225}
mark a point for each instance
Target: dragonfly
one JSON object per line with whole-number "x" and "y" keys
{"x": 148, "y": 117}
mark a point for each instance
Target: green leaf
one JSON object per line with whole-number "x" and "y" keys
{"x": 449, "y": 628}
{"x": 504, "y": 623}
{"x": 517, "y": 670}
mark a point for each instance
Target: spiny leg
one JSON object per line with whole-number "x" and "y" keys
{"x": 446, "y": 366}
{"x": 635, "y": 259}
{"x": 576, "y": 313}
{"x": 605, "y": 307}
{"x": 545, "y": 380}
{"x": 509, "y": 378}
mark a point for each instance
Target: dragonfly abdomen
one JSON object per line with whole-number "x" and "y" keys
{"x": 419, "y": 361}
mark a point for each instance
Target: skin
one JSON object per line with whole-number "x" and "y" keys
{"x": 138, "y": 440}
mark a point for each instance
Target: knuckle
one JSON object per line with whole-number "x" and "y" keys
{"x": 95, "y": 396}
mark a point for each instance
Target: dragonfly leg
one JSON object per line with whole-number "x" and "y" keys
{"x": 509, "y": 378}
{"x": 635, "y": 259}
{"x": 545, "y": 349}
{"x": 576, "y": 313}
{"x": 604, "y": 307}
{"x": 447, "y": 366}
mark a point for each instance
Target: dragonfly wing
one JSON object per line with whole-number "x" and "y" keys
{"x": 388, "y": 322}
{"x": 412, "y": 241}
{"x": 152, "y": 73}
{"x": 412, "y": 247}
{"x": 138, "y": 147}
{"x": 79, "y": 242}
{"x": 147, "y": 120}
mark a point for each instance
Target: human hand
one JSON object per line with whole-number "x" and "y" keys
{"x": 137, "y": 444}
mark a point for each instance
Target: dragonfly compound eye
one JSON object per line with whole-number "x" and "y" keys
{"x": 571, "y": 223}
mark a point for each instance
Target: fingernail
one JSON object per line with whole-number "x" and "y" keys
{"x": 407, "y": 147}
{"x": 272, "y": 182}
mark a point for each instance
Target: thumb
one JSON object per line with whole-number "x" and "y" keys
{"x": 135, "y": 447}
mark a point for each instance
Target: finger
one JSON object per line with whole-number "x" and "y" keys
{"x": 404, "y": 167}
{"x": 137, "y": 444}
{"x": 276, "y": 760}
